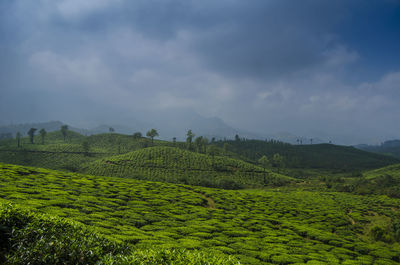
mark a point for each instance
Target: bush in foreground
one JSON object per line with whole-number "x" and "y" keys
{"x": 31, "y": 238}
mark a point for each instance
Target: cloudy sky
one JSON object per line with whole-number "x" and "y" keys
{"x": 306, "y": 67}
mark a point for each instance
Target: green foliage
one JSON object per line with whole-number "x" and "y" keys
{"x": 31, "y": 238}
{"x": 37, "y": 239}
{"x": 278, "y": 226}
{"x": 168, "y": 256}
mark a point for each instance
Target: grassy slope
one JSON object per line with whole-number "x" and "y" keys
{"x": 317, "y": 156}
{"x": 258, "y": 227}
{"x": 172, "y": 164}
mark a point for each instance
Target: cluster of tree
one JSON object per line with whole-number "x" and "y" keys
{"x": 31, "y": 134}
{"x": 42, "y": 133}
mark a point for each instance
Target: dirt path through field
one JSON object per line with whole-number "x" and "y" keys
{"x": 210, "y": 202}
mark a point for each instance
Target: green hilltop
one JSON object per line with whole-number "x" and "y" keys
{"x": 172, "y": 164}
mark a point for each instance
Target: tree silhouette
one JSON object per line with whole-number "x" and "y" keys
{"x": 64, "y": 131}
{"x": 43, "y": 134}
{"x": 31, "y": 134}
{"x": 237, "y": 138}
{"x": 18, "y": 136}
{"x": 111, "y": 130}
{"x": 190, "y": 135}
{"x": 152, "y": 133}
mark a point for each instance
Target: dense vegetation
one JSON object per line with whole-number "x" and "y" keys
{"x": 256, "y": 226}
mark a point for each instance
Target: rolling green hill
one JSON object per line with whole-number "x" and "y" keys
{"x": 235, "y": 166}
{"x": 175, "y": 165}
{"x": 317, "y": 156}
{"x": 255, "y": 226}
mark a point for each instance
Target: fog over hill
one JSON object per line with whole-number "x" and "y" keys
{"x": 177, "y": 123}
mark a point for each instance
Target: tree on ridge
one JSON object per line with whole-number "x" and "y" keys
{"x": 43, "y": 134}
{"x": 31, "y": 134}
{"x": 152, "y": 133}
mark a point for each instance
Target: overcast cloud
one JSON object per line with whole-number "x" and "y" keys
{"x": 262, "y": 65}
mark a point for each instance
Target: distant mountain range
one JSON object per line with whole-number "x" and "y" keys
{"x": 23, "y": 128}
{"x": 391, "y": 147}
{"x": 176, "y": 123}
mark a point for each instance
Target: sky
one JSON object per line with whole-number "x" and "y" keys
{"x": 310, "y": 67}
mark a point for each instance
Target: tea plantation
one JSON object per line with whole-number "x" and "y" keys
{"x": 272, "y": 226}
{"x": 172, "y": 164}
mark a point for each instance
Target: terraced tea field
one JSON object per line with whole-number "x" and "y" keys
{"x": 175, "y": 165}
{"x": 256, "y": 226}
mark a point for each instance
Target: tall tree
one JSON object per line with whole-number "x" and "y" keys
{"x": 18, "y": 136}
{"x": 31, "y": 134}
{"x": 43, "y": 134}
{"x": 190, "y": 135}
{"x": 152, "y": 133}
{"x": 111, "y": 130}
{"x": 64, "y": 131}
{"x": 264, "y": 162}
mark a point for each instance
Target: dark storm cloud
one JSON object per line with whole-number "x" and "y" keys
{"x": 264, "y": 65}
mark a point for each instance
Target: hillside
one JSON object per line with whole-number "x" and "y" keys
{"x": 257, "y": 227}
{"x": 175, "y": 165}
{"x": 317, "y": 156}
{"x": 384, "y": 181}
